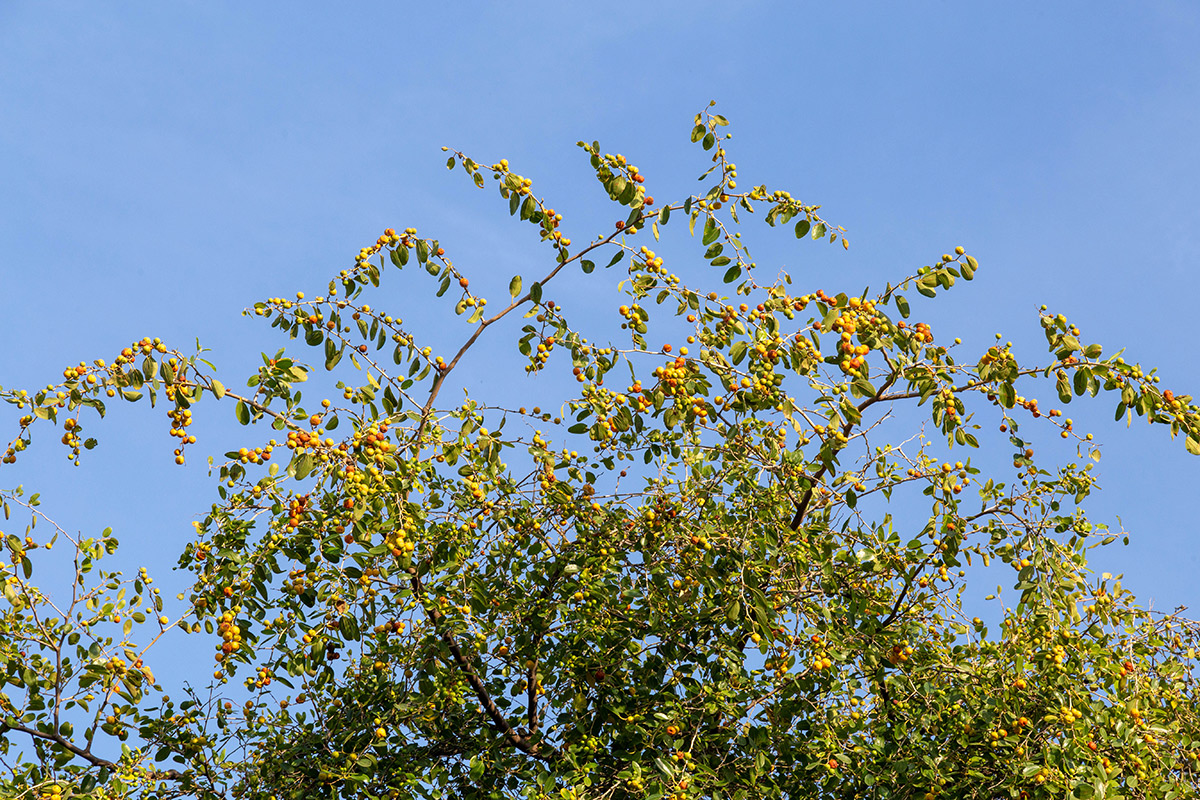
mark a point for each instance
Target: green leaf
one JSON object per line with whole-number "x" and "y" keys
{"x": 242, "y": 413}
{"x": 1193, "y": 445}
{"x": 902, "y": 306}
{"x": 626, "y": 197}
{"x": 802, "y": 228}
{"x": 711, "y": 232}
{"x": 732, "y": 274}
{"x": 762, "y": 612}
{"x": 733, "y": 612}
{"x": 218, "y": 388}
{"x": 535, "y": 292}
{"x": 301, "y": 466}
{"x": 1080, "y": 380}
{"x": 721, "y": 261}
{"x": 1064, "y": 389}
{"x": 333, "y": 354}
{"x": 863, "y": 387}
{"x": 514, "y": 287}
{"x": 1007, "y": 395}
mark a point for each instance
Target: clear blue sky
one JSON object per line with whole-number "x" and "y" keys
{"x": 163, "y": 166}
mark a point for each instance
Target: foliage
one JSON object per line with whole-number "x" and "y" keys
{"x": 423, "y": 598}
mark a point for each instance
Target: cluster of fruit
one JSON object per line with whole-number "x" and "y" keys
{"x": 857, "y": 318}
{"x": 231, "y": 638}
{"x": 262, "y": 679}
{"x": 389, "y": 238}
{"x": 399, "y": 539}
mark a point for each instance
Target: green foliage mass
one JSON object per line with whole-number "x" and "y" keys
{"x": 731, "y": 564}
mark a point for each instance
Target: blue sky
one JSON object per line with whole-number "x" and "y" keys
{"x": 164, "y": 166}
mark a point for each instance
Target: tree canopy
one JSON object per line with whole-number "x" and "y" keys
{"x": 737, "y": 561}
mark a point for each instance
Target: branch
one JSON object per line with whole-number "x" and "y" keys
{"x": 86, "y": 755}
{"x": 900, "y": 600}
{"x": 531, "y": 701}
{"x": 802, "y": 506}
{"x": 442, "y": 374}
{"x": 522, "y": 743}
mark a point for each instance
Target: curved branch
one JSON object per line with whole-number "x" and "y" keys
{"x": 802, "y": 506}
{"x": 514, "y": 738}
{"x": 484, "y": 324}
{"x": 85, "y": 754}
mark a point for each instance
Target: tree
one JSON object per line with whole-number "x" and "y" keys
{"x": 738, "y": 573}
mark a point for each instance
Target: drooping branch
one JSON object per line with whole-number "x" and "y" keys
{"x": 85, "y": 754}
